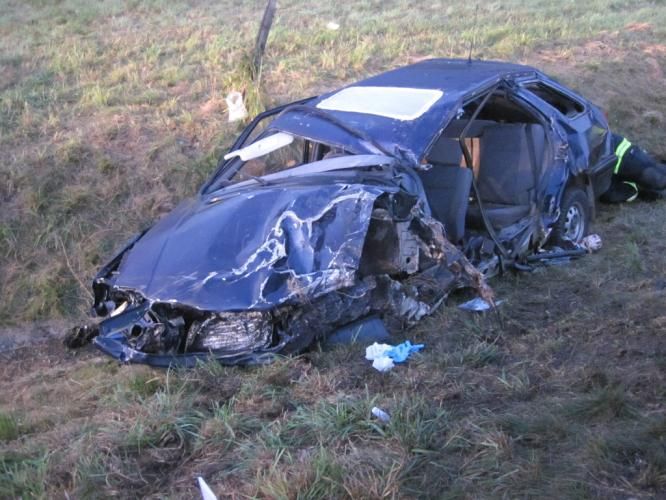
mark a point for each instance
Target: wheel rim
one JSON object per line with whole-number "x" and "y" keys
{"x": 574, "y": 223}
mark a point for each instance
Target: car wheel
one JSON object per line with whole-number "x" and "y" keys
{"x": 574, "y": 222}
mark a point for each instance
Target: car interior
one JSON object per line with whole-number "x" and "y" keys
{"x": 507, "y": 146}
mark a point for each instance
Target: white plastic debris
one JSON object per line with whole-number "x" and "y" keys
{"x": 262, "y": 147}
{"x": 383, "y": 364}
{"x": 591, "y": 243}
{"x": 206, "y": 492}
{"x": 477, "y": 305}
{"x": 377, "y": 354}
{"x": 384, "y": 356}
{"x": 333, "y": 26}
{"x": 376, "y": 350}
{"x": 237, "y": 110}
{"x": 381, "y": 414}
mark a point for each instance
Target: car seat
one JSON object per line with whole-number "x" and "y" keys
{"x": 511, "y": 156}
{"x": 447, "y": 188}
{"x": 447, "y": 184}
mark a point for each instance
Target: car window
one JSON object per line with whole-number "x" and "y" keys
{"x": 289, "y": 156}
{"x": 563, "y": 103}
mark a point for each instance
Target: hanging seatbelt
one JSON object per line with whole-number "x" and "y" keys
{"x": 535, "y": 167}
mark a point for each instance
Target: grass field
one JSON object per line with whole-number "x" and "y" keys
{"x": 111, "y": 112}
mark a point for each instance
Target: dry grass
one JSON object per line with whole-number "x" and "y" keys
{"x": 110, "y": 113}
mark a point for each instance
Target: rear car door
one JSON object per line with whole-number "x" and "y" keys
{"x": 585, "y": 128}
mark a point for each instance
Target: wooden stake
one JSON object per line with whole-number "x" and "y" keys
{"x": 262, "y": 37}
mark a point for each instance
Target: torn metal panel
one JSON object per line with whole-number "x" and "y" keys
{"x": 389, "y": 260}
{"x": 253, "y": 249}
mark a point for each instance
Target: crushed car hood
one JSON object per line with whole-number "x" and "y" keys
{"x": 254, "y": 248}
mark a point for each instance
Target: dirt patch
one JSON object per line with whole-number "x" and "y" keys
{"x": 13, "y": 338}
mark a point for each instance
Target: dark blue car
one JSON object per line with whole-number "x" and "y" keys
{"x": 370, "y": 203}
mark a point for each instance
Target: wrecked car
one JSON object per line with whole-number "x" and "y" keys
{"x": 374, "y": 201}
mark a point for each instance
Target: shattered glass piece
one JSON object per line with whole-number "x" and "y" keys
{"x": 477, "y": 304}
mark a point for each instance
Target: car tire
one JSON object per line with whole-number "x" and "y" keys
{"x": 574, "y": 222}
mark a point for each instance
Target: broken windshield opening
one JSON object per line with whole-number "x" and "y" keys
{"x": 287, "y": 156}
{"x": 262, "y": 147}
{"x": 273, "y": 153}
{"x": 369, "y": 144}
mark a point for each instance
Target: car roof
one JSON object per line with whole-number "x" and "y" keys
{"x": 453, "y": 78}
{"x": 448, "y": 75}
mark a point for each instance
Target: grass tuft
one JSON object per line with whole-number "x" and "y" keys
{"x": 9, "y": 427}
{"x": 538, "y": 430}
{"x": 325, "y": 422}
{"x": 315, "y": 475}
{"x": 606, "y": 403}
{"x": 635, "y": 454}
{"x": 23, "y": 477}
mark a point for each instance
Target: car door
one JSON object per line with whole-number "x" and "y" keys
{"x": 585, "y": 127}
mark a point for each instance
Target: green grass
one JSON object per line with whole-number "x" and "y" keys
{"x": 112, "y": 112}
{"x": 9, "y": 427}
{"x": 23, "y": 477}
{"x": 606, "y": 403}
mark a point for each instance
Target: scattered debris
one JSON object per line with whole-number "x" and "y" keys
{"x": 377, "y": 354}
{"x": 206, "y": 492}
{"x": 561, "y": 255}
{"x": 237, "y": 110}
{"x": 556, "y": 255}
{"x": 384, "y": 356}
{"x": 591, "y": 243}
{"x": 478, "y": 305}
{"x": 381, "y": 414}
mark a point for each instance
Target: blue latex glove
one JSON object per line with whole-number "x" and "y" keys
{"x": 402, "y": 351}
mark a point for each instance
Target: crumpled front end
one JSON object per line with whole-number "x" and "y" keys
{"x": 213, "y": 281}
